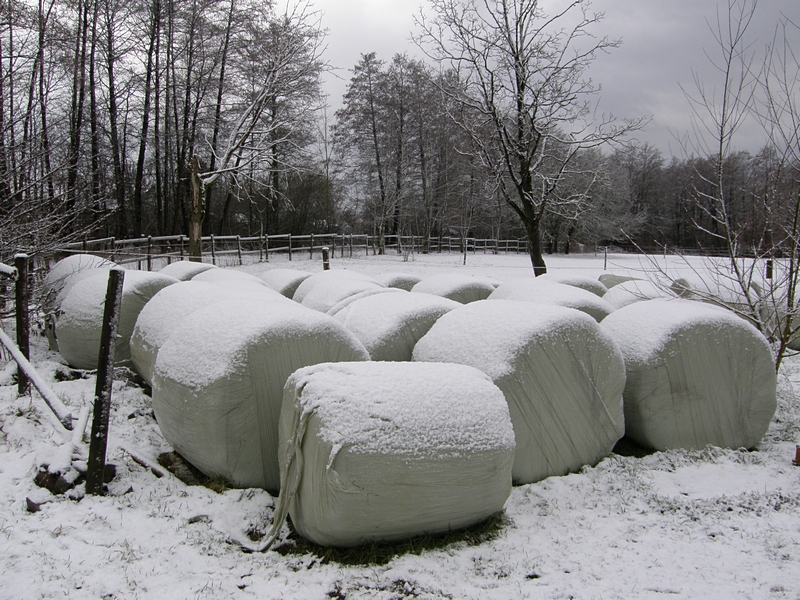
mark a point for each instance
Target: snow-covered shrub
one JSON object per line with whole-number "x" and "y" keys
{"x": 594, "y": 286}
{"x": 80, "y": 323}
{"x": 454, "y": 286}
{"x": 322, "y": 291}
{"x": 384, "y": 451}
{"x": 169, "y": 307}
{"x": 561, "y": 374}
{"x": 218, "y": 382}
{"x": 284, "y": 281}
{"x": 545, "y": 291}
{"x": 634, "y": 290}
{"x": 184, "y": 270}
{"x": 696, "y": 375}
{"x": 401, "y": 281}
{"x": 390, "y": 325}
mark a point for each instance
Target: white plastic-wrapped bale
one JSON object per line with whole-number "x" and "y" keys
{"x": 561, "y": 375}
{"x": 345, "y": 302}
{"x": 635, "y": 290}
{"x": 168, "y": 309}
{"x": 65, "y": 273}
{"x": 184, "y": 270}
{"x": 80, "y": 323}
{"x": 454, "y": 286}
{"x": 320, "y": 278}
{"x": 610, "y": 279}
{"x": 328, "y": 288}
{"x": 386, "y": 451}
{"x": 595, "y": 286}
{"x": 696, "y": 375}
{"x": 218, "y": 382}
{"x": 284, "y": 281}
{"x": 544, "y": 291}
{"x": 231, "y": 278}
{"x": 401, "y": 281}
{"x": 390, "y": 325}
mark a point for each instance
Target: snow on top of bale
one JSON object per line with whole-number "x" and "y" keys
{"x": 561, "y": 374}
{"x": 228, "y": 277}
{"x": 79, "y": 326}
{"x": 323, "y": 277}
{"x": 455, "y": 286}
{"x": 62, "y": 275}
{"x": 610, "y": 279}
{"x": 579, "y": 281}
{"x": 328, "y": 290}
{"x": 402, "y": 281}
{"x": 184, "y": 270}
{"x": 345, "y": 302}
{"x": 550, "y": 292}
{"x": 390, "y": 325}
{"x": 284, "y": 281}
{"x": 635, "y": 290}
{"x": 170, "y": 306}
{"x": 405, "y": 409}
{"x": 696, "y": 375}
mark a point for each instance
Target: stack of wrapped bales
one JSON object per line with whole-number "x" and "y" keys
{"x": 561, "y": 374}
{"x": 545, "y": 291}
{"x": 168, "y": 309}
{"x": 385, "y": 451}
{"x": 184, "y": 270}
{"x": 66, "y": 273}
{"x": 390, "y": 325}
{"x": 80, "y": 322}
{"x": 696, "y": 375}
{"x": 322, "y": 291}
{"x": 218, "y": 382}
{"x": 454, "y": 286}
{"x": 284, "y": 281}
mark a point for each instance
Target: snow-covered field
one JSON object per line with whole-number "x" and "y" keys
{"x": 681, "y": 524}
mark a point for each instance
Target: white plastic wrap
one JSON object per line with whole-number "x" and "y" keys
{"x": 80, "y": 323}
{"x": 401, "y": 281}
{"x": 284, "y": 281}
{"x": 390, "y": 325}
{"x": 168, "y": 309}
{"x": 634, "y": 290}
{"x": 184, "y": 270}
{"x": 325, "y": 290}
{"x": 545, "y": 291}
{"x": 696, "y": 375}
{"x": 218, "y": 382}
{"x": 561, "y": 375}
{"x": 65, "y": 273}
{"x": 323, "y": 278}
{"x": 594, "y": 286}
{"x": 385, "y": 451}
{"x": 610, "y": 279}
{"x": 230, "y": 278}
{"x": 454, "y": 286}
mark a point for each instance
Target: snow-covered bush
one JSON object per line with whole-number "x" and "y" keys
{"x": 561, "y": 374}
{"x": 544, "y": 291}
{"x": 384, "y": 451}
{"x": 80, "y": 322}
{"x": 218, "y": 382}
{"x": 696, "y": 375}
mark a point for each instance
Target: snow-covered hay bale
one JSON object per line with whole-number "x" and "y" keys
{"x": 65, "y": 273}
{"x": 390, "y": 325}
{"x": 558, "y": 294}
{"x": 80, "y": 323}
{"x": 610, "y": 280}
{"x": 635, "y": 290}
{"x": 218, "y": 382}
{"x": 386, "y": 451}
{"x": 328, "y": 288}
{"x": 284, "y": 281}
{"x": 401, "y": 281}
{"x": 344, "y": 303}
{"x": 594, "y": 286}
{"x": 696, "y": 375}
{"x": 172, "y": 305}
{"x": 184, "y": 270}
{"x": 230, "y": 278}
{"x": 454, "y": 286}
{"x": 561, "y": 374}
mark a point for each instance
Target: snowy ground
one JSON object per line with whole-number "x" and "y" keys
{"x": 702, "y": 524}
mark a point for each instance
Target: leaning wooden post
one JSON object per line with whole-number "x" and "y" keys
{"x": 23, "y": 324}
{"x": 326, "y": 264}
{"x": 105, "y": 377}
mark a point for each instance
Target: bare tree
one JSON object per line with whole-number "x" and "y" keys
{"x": 525, "y": 99}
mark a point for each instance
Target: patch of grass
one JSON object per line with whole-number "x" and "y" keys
{"x": 191, "y": 475}
{"x": 381, "y": 553}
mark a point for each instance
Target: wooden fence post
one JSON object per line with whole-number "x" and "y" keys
{"x": 351, "y": 245}
{"x": 105, "y": 377}
{"x": 311, "y": 248}
{"x": 326, "y": 265}
{"x": 149, "y": 253}
{"x": 23, "y": 324}
{"x": 213, "y": 250}
{"x": 266, "y": 247}
{"x": 290, "y": 247}
{"x": 239, "y": 248}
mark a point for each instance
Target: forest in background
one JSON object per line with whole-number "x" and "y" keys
{"x": 104, "y": 104}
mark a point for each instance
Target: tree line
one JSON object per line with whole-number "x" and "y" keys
{"x": 160, "y": 117}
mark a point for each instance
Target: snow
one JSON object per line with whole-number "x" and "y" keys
{"x": 184, "y": 270}
{"x": 622, "y": 529}
{"x": 458, "y": 287}
{"x": 284, "y": 281}
{"x": 548, "y": 291}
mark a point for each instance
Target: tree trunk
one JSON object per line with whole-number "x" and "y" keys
{"x": 535, "y": 246}
{"x": 196, "y": 216}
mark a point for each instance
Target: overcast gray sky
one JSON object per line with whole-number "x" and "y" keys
{"x": 662, "y": 42}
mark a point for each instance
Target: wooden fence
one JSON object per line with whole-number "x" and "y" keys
{"x": 234, "y": 249}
